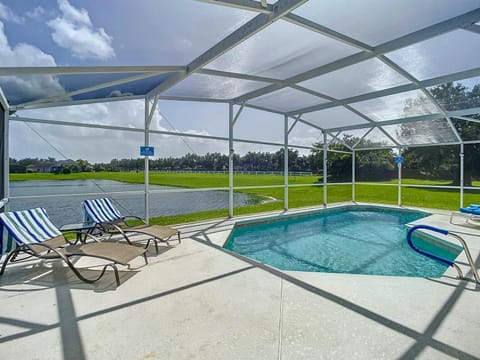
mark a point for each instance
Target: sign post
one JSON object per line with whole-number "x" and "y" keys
{"x": 147, "y": 151}
{"x": 399, "y": 160}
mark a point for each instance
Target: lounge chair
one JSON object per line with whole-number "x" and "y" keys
{"x": 109, "y": 220}
{"x": 470, "y": 213}
{"x": 36, "y": 235}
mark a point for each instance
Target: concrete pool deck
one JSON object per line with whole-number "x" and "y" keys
{"x": 198, "y": 301}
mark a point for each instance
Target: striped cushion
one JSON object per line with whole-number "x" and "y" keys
{"x": 7, "y": 243}
{"x": 99, "y": 211}
{"x": 29, "y": 226}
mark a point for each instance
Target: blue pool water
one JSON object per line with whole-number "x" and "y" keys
{"x": 358, "y": 241}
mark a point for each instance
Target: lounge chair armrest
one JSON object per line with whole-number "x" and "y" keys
{"x": 117, "y": 229}
{"x": 91, "y": 237}
{"x": 47, "y": 247}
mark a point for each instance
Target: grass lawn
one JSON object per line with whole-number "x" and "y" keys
{"x": 298, "y": 196}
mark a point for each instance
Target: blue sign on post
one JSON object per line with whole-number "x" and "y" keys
{"x": 146, "y": 150}
{"x": 399, "y": 159}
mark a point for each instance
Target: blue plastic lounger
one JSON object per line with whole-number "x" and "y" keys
{"x": 109, "y": 220}
{"x": 470, "y": 213}
{"x": 36, "y": 235}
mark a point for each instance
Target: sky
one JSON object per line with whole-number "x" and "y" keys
{"x": 148, "y": 32}
{"x": 72, "y": 33}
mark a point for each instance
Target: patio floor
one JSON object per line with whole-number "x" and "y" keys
{"x": 198, "y": 301}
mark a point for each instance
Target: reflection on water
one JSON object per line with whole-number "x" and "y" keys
{"x": 65, "y": 210}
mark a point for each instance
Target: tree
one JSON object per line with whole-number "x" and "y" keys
{"x": 443, "y": 161}
{"x": 369, "y": 164}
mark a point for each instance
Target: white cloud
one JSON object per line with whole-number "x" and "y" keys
{"x": 6, "y": 14}
{"x": 73, "y": 14}
{"x": 26, "y": 88}
{"x": 74, "y": 31}
{"x": 98, "y": 145}
{"x": 118, "y": 93}
{"x": 36, "y": 13}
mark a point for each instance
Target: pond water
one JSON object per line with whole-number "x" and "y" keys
{"x": 67, "y": 209}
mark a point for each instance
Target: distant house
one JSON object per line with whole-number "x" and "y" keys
{"x": 45, "y": 167}
{"x": 64, "y": 164}
{"x": 48, "y": 167}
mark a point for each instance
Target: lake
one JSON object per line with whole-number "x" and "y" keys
{"x": 67, "y": 209}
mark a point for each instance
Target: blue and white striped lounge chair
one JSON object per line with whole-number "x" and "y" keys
{"x": 36, "y": 235}
{"x": 109, "y": 220}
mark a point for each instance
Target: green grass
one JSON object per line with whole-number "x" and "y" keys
{"x": 298, "y": 196}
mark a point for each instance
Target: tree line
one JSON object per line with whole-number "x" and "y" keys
{"x": 436, "y": 162}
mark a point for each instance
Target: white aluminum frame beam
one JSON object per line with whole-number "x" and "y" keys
{"x": 467, "y": 119}
{"x": 231, "y": 153}
{"x": 453, "y": 113}
{"x": 6, "y": 155}
{"x": 56, "y": 98}
{"x": 69, "y": 70}
{"x": 404, "y": 41}
{"x": 462, "y": 172}
{"x": 259, "y": 22}
{"x": 394, "y": 90}
{"x": 395, "y": 67}
{"x": 146, "y": 173}
{"x": 237, "y": 76}
{"x": 474, "y": 28}
{"x": 77, "y": 102}
{"x": 251, "y": 5}
{"x": 141, "y": 130}
{"x": 285, "y": 162}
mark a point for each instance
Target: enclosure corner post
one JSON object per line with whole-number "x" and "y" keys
{"x": 146, "y": 171}
{"x": 325, "y": 149}
{"x": 353, "y": 176}
{"x": 399, "y": 165}
{"x": 285, "y": 166}
{"x": 5, "y": 156}
{"x": 462, "y": 174}
{"x": 231, "y": 152}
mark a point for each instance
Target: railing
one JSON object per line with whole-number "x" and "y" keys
{"x": 236, "y": 172}
{"x": 445, "y": 261}
{"x": 3, "y": 202}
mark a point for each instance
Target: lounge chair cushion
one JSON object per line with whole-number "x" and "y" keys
{"x": 471, "y": 210}
{"x": 118, "y": 253}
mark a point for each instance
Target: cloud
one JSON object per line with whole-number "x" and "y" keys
{"x": 26, "y": 88}
{"x": 74, "y": 31}
{"x": 36, "y": 13}
{"x": 118, "y": 93}
{"x": 6, "y": 14}
{"x": 72, "y": 14}
{"x": 98, "y": 145}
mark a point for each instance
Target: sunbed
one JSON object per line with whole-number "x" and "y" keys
{"x": 36, "y": 235}
{"x": 109, "y": 220}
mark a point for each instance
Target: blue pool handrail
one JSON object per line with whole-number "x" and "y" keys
{"x": 427, "y": 254}
{"x": 438, "y": 258}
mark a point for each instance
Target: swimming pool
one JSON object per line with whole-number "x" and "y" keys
{"x": 350, "y": 239}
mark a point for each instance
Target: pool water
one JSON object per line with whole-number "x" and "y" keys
{"x": 356, "y": 241}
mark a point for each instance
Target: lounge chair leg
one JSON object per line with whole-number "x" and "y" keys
{"x": 91, "y": 281}
{"x": 10, "y": 257}
{"x": 179, "y": 240}
{"x": 145, "y": 257}
{"x": 156, "y": 245}
{"x": 117, "y": 277}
